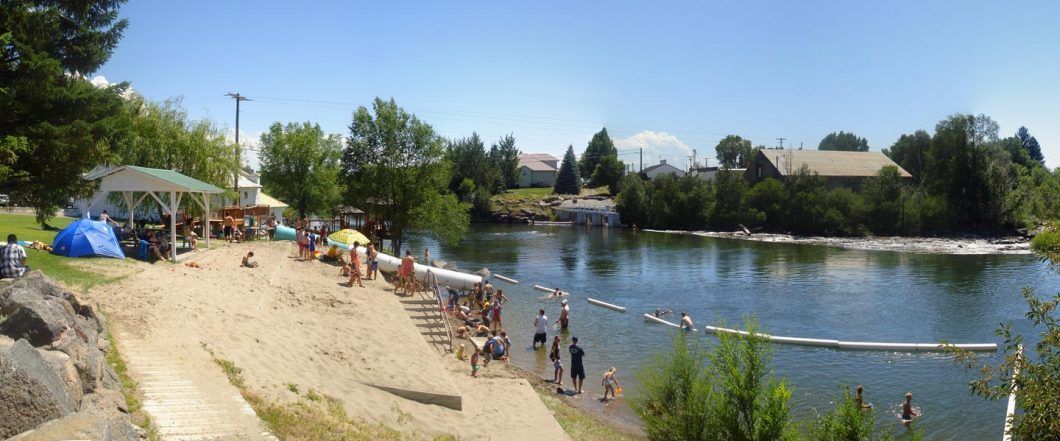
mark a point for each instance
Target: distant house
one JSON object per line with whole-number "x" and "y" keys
{"x": 537, "y": 170}
{"x": 839, "y": 168}
{"x": 661, "y": 168}
{"x": 710, "y": 173}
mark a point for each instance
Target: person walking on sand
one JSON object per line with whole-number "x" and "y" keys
{"x": 577, "y": 369}
{"x": 609, "y": 382}
{"x": 355, "y": 266}
{"x": 474, "y": 364}
{"x": 408, "y": 269}
{"x": 686, "y": 322}
{"x": 557, "y": 363}
{"x": 228, "y": 223}
{"x": 540, "y": 329}
{"x": 564, "y": 316}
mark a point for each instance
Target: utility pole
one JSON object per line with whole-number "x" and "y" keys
{"x": 781, "y": 142}
{"x": 239, "y": 164}
{"x": 642, "y": 159}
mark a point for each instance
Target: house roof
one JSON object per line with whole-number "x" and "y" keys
{"x": 150, "y": 179}
{"x": 537, "y": 157}
{"x": 537, "y": 166}
{"x": 264, "y": 199}
{"x": 661, "y": 165}
{"x": 245, "y": 183}
{"x": 831, "y": 163}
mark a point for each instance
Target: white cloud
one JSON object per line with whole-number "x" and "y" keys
{"x": 657, "y": 146}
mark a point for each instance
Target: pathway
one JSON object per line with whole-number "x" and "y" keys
{"x": 187, "y": 394}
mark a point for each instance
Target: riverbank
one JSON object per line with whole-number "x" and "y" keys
{"x": 923, "y": 245}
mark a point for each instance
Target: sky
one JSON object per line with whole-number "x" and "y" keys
{"x": 666, "y": 77}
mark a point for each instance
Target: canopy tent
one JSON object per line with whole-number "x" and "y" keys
{"x": 130, "y": 180}
{"x": 86, "y": 237}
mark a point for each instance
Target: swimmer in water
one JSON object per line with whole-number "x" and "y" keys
{"x": 660, "y": 313}
{"x": 686, "y": 322}
{"x": 859, "y": 399}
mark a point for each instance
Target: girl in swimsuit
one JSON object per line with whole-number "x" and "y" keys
{"x": 609, "y": 383}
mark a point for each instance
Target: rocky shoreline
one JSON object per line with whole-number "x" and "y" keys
{"x": 923, "y": 245}
{"x": 54, "y": 380}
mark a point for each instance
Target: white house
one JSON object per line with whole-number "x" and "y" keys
{"x": 537, "y": 170}
{"x": 660, "y": 169}
{"x": 250, "y": 194}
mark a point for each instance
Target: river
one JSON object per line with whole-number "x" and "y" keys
{"x": 793, "y": 290}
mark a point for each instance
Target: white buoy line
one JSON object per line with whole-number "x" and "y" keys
{"x": 506, "y": 279}
{"x": 858, "y": 345}
{"x": 654, "y": 319}
{"x": 603, "y": 304}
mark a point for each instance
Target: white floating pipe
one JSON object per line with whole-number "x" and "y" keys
{"x": 506, "y": 279}
{"x": 654, "y": 319}
{"x": 857, "y": 345}
{"x": 610, "y": 306}
{"x": 453, "y": 279}
{"x": 545, "y": 288}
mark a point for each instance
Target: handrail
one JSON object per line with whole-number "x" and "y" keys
{"x": 432, "y": 286}
{"x": 1010, "y": 411}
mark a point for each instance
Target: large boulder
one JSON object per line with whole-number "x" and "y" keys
{"x": 37, "y": 318}
{"x": 30, "y": 391}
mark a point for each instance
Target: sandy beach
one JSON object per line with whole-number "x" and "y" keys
{"x": 290, "y": 322}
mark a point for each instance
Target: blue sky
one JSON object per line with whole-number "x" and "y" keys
{"x": 666, "y": 76}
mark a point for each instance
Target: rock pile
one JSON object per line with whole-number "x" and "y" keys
{"x": 54, "y": 380}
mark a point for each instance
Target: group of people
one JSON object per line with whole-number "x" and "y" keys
{"x": 486, "y": 300}
{"x": 908, "y": 413}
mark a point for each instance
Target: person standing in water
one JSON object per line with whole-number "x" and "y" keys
{"x": 908, "y": 413}
{"x": 557, "y": 363}
{"x": 577, "y": 369}
{"x": 564, "y": 315}
{"x": 686, "y": 322}
{"x": 859, "y": 399}
{"x": 609, "y": 382}
{"x": 540, "y": 330}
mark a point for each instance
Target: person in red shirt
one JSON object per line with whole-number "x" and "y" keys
{"x": 408, "y": 265}
{"x": 355, "y": 266}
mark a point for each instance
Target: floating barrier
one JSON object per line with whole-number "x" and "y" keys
{"x": 857, "y": 345}
{"x": 593, "y": 301}
{"x": 546, "y": 289}
{"x": 506, "y": 279}
{"x": 453, "y": 279}
{"x": 654, "y": 319}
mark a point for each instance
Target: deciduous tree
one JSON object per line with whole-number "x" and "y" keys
{"x": 300, "y": 165}
{"x": 394, "y": 166}
{"x": 599, "y": 147}
{"x": 734, "y": 152}
{"x": 843, "y": 141}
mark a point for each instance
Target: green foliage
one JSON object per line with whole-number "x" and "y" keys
{"x": 1037, "y": 386}
{"x": 599, "y": 147}
{"x": 55, "y": 125}
{"x": 567, "y": 179}
{"x": 1030, "y": 145}
{"x": 884, "y": 199}
{"x": 843, "y": 141}
{"x": 728, "y": 393}
{"x": 848, "y": 421}
{"x": 676, "y": 400}
{"x": 474, "y": 175}
{"x": 731, "y": 207}
{"x": 1047, "y": 244}
{"x": 505, "y": 159}
{"x": 908, "y": 152}
{"x": 609, "y": 171}
{"x": 300, "y": 166}
{"x": 394, "y": 166}
{"x": 770, "y": 198}
{"x": 735, "y": 152}
{"x": 681, "y": 203}
{"x": 632, "y": 202}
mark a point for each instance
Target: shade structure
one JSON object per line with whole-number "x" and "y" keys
{"x": 86, "y": 237}
{"x": 348, "y": 236}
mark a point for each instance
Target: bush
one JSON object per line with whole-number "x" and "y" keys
{"x": 733, "y": 397}
{"x": 846, "y": 422}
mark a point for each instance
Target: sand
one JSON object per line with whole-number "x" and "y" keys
{"x": 293, "y": 322}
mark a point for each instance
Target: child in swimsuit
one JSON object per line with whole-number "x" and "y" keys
{"x": 609, "y": 383}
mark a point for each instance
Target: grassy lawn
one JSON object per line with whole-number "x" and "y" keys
{"x": 579, "y": 425}
{"x": 78, "y": 273}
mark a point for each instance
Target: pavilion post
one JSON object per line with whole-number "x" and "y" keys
{"x": 127, "y": 195}
{"x": 206, "y": 224}
{"x": 173, "y": 225}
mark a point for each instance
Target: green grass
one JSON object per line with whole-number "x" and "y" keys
{"x": 63, "y": 269}
{"x": 543, "y": 191}
{"x": 580, "y": 426}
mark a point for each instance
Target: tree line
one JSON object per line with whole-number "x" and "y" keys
{"x": 965, "y": 179}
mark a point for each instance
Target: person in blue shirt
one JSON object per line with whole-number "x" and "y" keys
{"x": 577, "y": 369}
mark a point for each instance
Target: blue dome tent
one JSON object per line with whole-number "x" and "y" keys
{"x": 86, "y": 237}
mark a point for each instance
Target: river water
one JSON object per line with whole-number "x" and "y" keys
{"x": 793, "y": 290}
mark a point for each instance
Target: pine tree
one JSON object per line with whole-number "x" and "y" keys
{"x": 567, "y": 180}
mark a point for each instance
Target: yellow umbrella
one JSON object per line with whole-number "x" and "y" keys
{"x": 348, "y": 237}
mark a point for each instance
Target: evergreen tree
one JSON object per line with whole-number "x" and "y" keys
{"x": 505, "y": 158}
{"x": 55, "y": 125}
{"x": 1030, "y": 145}
{"x": 567, "y": 180}
{"x": 599, "y": 147}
